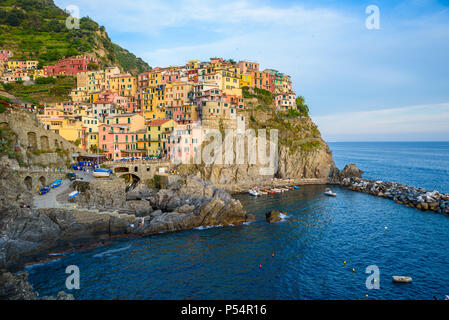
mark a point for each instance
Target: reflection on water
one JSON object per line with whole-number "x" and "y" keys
{"x": 309, "y": 249}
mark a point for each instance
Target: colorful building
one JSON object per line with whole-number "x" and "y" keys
{"x": 69, "y": 66}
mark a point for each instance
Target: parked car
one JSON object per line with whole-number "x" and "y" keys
{"x": 44, "y": 190}
{"x": 71, "y": 176}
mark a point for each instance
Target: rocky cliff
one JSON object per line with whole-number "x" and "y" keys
{"x": 27, "y": 234}
{"x": 302, "y": 153}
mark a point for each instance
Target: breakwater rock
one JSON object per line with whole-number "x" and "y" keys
{"x": 418, "y": 198}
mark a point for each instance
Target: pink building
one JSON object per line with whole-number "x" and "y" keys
{"x": 69, "y": 66}
{"x": 119, "y": 135}
{"x": 169, "y": 76}
{"x": 184, "y": 144}
{"x": 5, "y": 55}
{"x": 248, "y": 67}
{"x": 284, "y": 102}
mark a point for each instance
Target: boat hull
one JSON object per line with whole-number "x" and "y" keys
{"x": 402, "y": 279}
{"x": 101, "y": 174}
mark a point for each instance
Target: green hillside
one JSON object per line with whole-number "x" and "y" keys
{"x": 35, "y": 29}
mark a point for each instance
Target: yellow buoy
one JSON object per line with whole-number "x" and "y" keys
{"x": 353, "y": 270}
{"x": 367, "y": 296}
{"x": 344, "y": 262}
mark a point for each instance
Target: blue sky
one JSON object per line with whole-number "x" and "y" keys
{"x": 360, "y": 84}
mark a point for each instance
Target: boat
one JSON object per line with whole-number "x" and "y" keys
{"x": 102, "y": 173}
{"x": 264, "y": 193}
{"x": 275, "y": 190}
{"x": 402, "y": 279}
{"x": 253, "y": 192}
{"x": 73, "y": 194}
{"x": 56, "y": 184}
{"x": 269, "y": 191}
{"x": 296, "y": 187}
{"x": 328, "y": 192}
{"x": 44, "y": 190}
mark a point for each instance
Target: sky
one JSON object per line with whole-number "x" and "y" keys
{"x": 386, "y": 84}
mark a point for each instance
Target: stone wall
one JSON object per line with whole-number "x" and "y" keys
{"x": 32, "y": 136}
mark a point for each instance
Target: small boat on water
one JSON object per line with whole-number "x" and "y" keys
{"x": 296, "y": 187}
{"x": 402, "y": 279}
{"x": 254, "y": 192}
{"x": 269, "y": 191}
{"x": 275, "y": 190}
{"x": 102, "y": 173}
{"x": 264, "y": 193}
{"x": 56, "y": 184}
{"x": 328, "y": 192}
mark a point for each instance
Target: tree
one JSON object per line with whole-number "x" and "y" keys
{"x": 92, "y": 66}
{"x": 302, "y": 107}
{"x": 15, "y": 17}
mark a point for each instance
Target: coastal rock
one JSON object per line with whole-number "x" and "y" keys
{"x": 193, "y": 203}
{"x": 412, "y": 197}
{"x": 141, "y": 208}
{"x": 273, "y": 216}
{"x": 17, "y": 287}
{"x": 102, "y": 193}
{"x": 351, "y": 170}
{"x": 140, "y": 192}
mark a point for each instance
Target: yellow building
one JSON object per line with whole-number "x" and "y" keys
{"x": 246, "y": 80}
{"x": 158, "y": 132}
{"x": 22, "y": 65}
{"x": 124, "y": 84}
{"x": 86, "y": 80}
{"x": 193, "y": 65}
{"x": 70, "y": 128}
{"x": 79, "y": 96}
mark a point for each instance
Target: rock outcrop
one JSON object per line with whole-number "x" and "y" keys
{"x": 17, "y": 287}
{"x": 194, "y": 203}
{"x": 101, "y": 193}
{"x": 351, "y": 171}
{"x": 273, "y": 216}
{"x": 27, "y": 235}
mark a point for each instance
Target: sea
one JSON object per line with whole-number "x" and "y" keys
{"x": 347, "y": 247}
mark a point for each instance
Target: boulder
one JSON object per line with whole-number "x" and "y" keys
{"x": 350, "y": 171}
{"x": 141, "y": 208}
{"x": 273, "y": 216}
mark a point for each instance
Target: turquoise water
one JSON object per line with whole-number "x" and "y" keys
{"x": 309, "y": 249}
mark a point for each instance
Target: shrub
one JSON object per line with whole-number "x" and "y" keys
{"x": 45, "y": 80}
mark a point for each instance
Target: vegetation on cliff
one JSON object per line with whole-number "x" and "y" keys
{"x": 296, "y": 129}
{"x": 36, "y": 30}
{"x": 44, "y": 90}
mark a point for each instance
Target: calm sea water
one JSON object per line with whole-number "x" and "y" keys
{"x": 309, "y": 247}
{"x": 418, "y": 164}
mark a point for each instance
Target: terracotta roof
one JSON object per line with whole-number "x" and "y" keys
{"x": 158, "y": 122}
